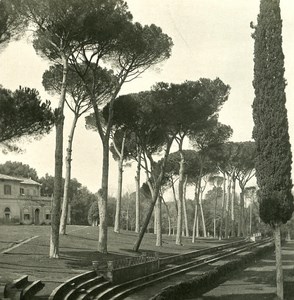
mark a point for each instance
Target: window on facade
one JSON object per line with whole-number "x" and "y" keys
{"x": 48, "y": 214}
{"x": 26, "y": 217}
{"x": 26, "y": 214}
{"x": 7, "y": 213}
{"x": 21, "y": 191}
{"x": 7, "y": 189}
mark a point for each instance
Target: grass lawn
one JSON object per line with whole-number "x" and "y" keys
{"x": 77, "y": 251}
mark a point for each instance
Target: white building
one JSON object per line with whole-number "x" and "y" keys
{"x": 21, "y": 202}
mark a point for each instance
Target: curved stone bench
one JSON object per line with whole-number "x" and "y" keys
{"x": 61, "y": 291}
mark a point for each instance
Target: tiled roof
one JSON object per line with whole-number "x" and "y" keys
{"x": 29, "y": 181}
{"x": 6, "y": 177}
{"x": 20, "y": 179}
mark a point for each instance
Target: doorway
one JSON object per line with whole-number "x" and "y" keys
{"x": 37, "y": 216}
{"x": 7, "y": 215}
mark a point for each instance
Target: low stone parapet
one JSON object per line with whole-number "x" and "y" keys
{"x": 122, "y": 270}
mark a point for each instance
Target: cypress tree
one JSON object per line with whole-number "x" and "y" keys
{"x": 274, "y": 158}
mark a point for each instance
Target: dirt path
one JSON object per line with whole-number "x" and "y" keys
{"x": 257, "y": 282}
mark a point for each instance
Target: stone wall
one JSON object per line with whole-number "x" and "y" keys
{"x": 127, "y": 269}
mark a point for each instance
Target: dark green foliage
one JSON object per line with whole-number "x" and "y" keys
{"x": 213, "y": 201}
{"x": 80, "y": 198}
{"x": 18, "y": 169}
{"x": 189, "y": 105}
{"x": 238, "y": 160}
{"x": 93, "y": 214}
{"x": 143, "y": 46}
{"x": 52, "y": 82}
{"x": 47, "y": 185}
{"x": 23, "y": 114}
{"x": 274, "y": 158}
{"x": 11, "y": 25}
{"x": 62, "y": 25}
{"x": 81, "y": 201}
{"x": 4, "y": 33}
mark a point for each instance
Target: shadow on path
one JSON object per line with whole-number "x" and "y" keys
{"x": 256, "y": 282}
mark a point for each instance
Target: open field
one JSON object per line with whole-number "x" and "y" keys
{"x": 77, "y": 251}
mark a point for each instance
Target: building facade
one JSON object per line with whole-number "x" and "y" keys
{"x": 21, "y": 202}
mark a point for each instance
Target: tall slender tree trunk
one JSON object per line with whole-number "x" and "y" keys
{"x": 174, "y": 195}
{"x": 168, "y": 216}
{"x": 154, "y": 198}
{"x": 64, "y": 211}
{"x": 169, "y": 225}
{"x": 195, "y": 231}
{"x": 155, "y": 213}
{"x": 197, "y": 222}
{"x": 56, "y": 203}
{"x": 227, "y": 208}
{"x": 241, "y": 216}
{"x": 197, "y": 196}
{"x": 185, "y": 206}
{"x": 127, "y": 220}
{"x": 239, "y": 221}
{"x": 202, "y": 217}
{"x": 180, "y": 197}
{"x": 102, "y": 199}
{"x": 250, "y": 219}
{"x": 279, "y": 267}
{"x": 233, "y": 207}
{"x": 155, "y": 219}
{"x": 116, "y": 228}
{"x": 119, "y": 186}
{"x": 159, "y": 223}
{"x": 138, "y": 178}
{"x": 223, "y": 207}
{"x": 103, "y": 192}
{"x": 214, "y": 215}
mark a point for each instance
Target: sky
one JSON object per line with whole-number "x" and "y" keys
{"x": 211, "y": 39}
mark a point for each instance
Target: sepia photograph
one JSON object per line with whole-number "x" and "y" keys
{"x": 146, "y": 149}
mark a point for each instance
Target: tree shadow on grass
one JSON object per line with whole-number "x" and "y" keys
{"x": 150, "y": 252}
{"x": 89, "y": 238}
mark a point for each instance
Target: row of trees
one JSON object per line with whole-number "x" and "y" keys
{"x": 212, "y": 211}
{"x": 155, "y": 119}
{"x": 82, "y": 36}
{"x": 234, "y": 160}
{"x": 75, "y": 37}
{"x": 96, "y": 43}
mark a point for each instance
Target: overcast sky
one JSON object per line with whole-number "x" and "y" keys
{"x": 212, "y": 38}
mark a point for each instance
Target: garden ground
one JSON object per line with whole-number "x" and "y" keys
{"x": 77, "y": 251}
{"x": 257, "y": 282}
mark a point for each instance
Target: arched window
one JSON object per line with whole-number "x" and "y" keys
{"x": 26, "y": 214}
{"x": 7, "y": 213}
